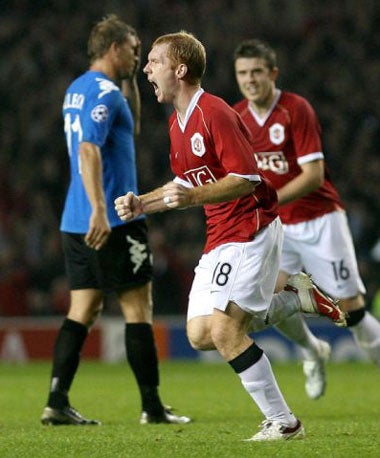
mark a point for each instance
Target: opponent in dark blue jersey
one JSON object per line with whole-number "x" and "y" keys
{"x": 101, "y": 252}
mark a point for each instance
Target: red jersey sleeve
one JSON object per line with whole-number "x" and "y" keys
{"x": 306, "y": 131}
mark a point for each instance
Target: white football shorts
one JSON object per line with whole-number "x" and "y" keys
{"x": 323, "y": 247}
{"x": 243, "y": 273}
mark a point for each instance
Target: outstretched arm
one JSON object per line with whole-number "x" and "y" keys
{"x": 226, "y": 189}
{"x": 173, "y": 195}
{"x": 131, "y": 206}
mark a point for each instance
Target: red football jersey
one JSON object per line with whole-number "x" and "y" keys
{"x": 213, "y": 143}
{"x": 289, "y": 136}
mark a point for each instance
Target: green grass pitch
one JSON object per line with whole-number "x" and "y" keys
{"x": 344, "y": 423}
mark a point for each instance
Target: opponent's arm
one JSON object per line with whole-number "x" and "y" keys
{"x": 310, "y": 179}
{"x": 92, "y": 177}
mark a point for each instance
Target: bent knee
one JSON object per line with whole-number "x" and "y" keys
{"x": 352, "y": 303}
{"x": 353, "y": 308}
{"x": 199, "y": 337}
{"x": 201, "y": 342}
{"x": 86, "y": 316}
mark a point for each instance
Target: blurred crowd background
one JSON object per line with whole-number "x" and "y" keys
{"x": 328, "y": 51}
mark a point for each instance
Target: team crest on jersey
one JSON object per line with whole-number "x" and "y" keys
{"x": 276, "y": 133}
{"x": 99, "y": 113}
{"x": 197, "y": 144}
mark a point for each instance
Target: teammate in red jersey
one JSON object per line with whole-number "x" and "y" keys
{"x": 211, "y": 158}
{"x": 286, "y": 141}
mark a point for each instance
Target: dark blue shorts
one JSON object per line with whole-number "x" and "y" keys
{"x": 123, "y": 263}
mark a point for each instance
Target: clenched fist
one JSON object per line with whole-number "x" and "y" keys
{"x": 128, "y": 207}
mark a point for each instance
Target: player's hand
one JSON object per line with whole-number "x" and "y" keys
{"x": 128, "y": 207}
{"x": 176, "y": 195}
{"x": 99, "y": 230}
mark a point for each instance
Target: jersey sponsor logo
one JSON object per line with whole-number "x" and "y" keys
{"x": 106, "y": 87}
{"x": 276, "y": 133}
{"x": 274, "y": 161}
{"x": 138, "y": 253}
{"x": 197, "y": 144}
{"x": 99, "y": 113}
{"x": 200, "y": 176}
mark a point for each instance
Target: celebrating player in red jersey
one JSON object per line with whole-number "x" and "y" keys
{"x": 211, "y": 157}
{"x": 205, "y": 121}
{"x": 286, "y": 141}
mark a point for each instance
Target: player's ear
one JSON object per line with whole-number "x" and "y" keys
{"x": 274, "y": 73}
{"x": 181, "y": 71}
{"x": 113, "y": 49}
{"x": 114, "y": 46}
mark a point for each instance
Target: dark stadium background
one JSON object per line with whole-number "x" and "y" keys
{"x": 328, "y": 51}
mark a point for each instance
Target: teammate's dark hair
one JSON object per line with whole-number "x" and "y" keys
{"x": 256, "y": 48}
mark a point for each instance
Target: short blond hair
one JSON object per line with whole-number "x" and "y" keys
{"x": 184, "y": 48}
